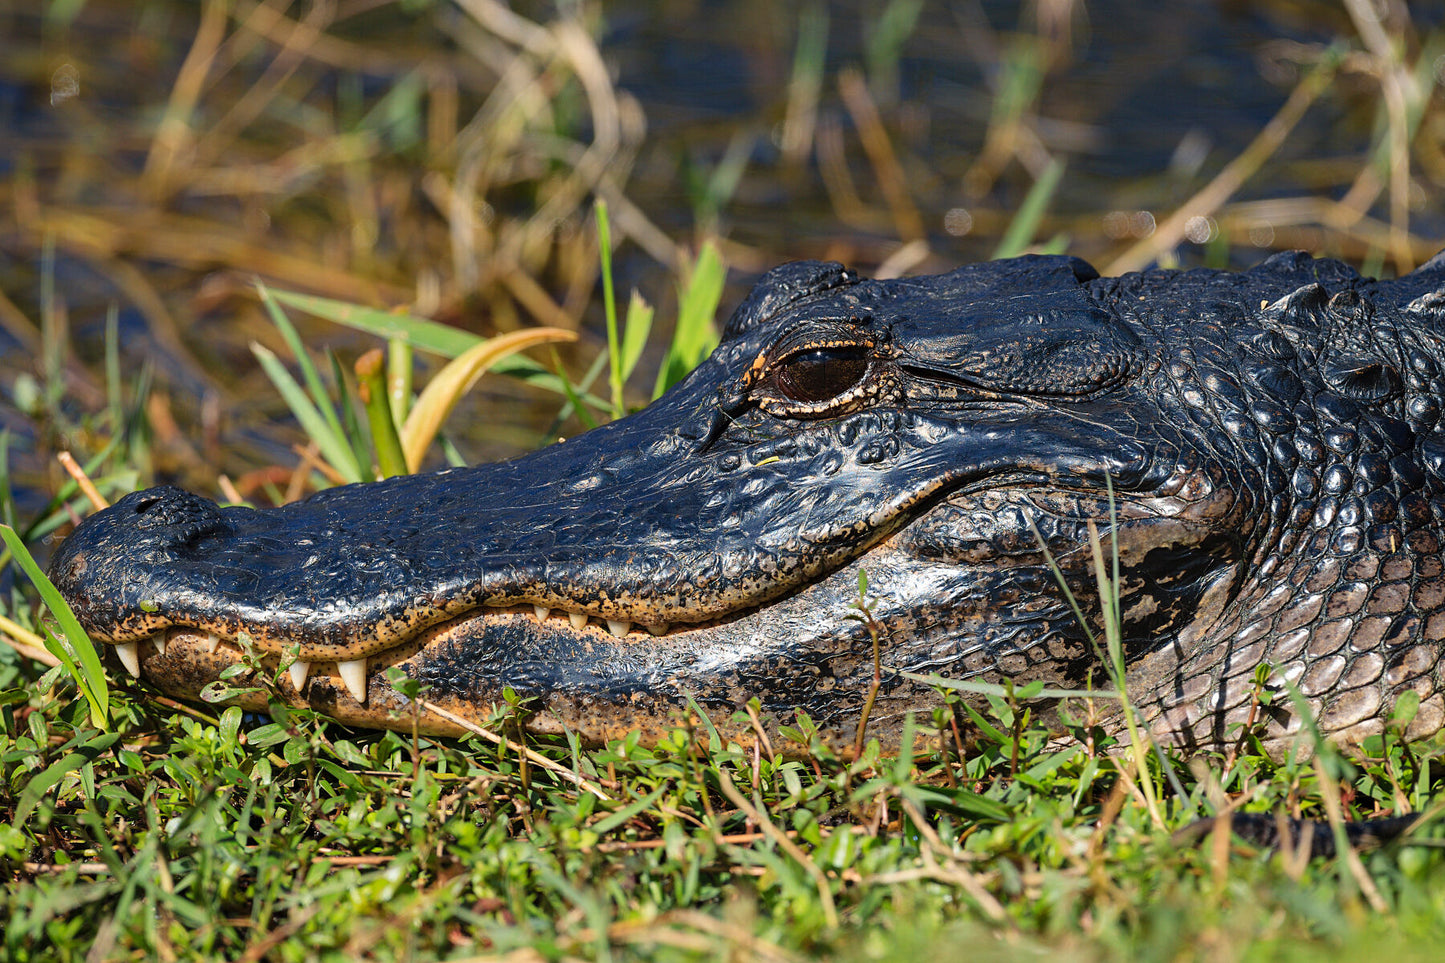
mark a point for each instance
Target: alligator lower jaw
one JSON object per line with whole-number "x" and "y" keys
{"x": 209, "y": 652}
{"x": 183, "y": 662}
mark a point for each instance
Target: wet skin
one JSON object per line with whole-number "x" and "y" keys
{"x": 1271, "y": 438}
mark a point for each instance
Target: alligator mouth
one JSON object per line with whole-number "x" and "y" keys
{"x": 353, "y": 675}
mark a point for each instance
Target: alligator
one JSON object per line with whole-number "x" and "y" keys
{"x": 1258, "y": 456}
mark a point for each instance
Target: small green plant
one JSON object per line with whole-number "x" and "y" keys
{"x": 624, "y": 350}
{"x": 400, "y": 429}
{"x": 73, "y": 646}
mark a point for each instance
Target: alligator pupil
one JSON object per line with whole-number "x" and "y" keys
{"x": 822, "y": 373}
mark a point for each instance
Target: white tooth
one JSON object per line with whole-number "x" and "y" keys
{"x": 618, "y": 629}
{"x": 578, "y": 619}
{"x": 299, "y": 671}
{"x": 212, "y": 640}
{"x": 658, "y": 628}
{"x": 353, "y": 673}
{"x": 129, "y": 653}
{"x": 160, "y": 640}
{"x": 542, "y": 612}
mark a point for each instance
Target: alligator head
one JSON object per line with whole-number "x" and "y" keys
{"x": 1265, "y": 445}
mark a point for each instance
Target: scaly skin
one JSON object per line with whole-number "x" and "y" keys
{"x": 1271, "y": 437}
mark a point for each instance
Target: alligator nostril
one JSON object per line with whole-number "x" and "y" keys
{"x": 173, "y": 515}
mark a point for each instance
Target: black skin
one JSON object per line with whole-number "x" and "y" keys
{"x": 1268, "y": 442}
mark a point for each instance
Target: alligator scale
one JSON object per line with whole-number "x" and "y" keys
{"x": 1272, "y": 439}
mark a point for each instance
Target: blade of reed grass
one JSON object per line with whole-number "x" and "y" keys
{"x": 361, "y": 442}
{"x": 574, "y": 403}
{"x": 1025, "y": 224}
{"x": 399, "y": 378}
{"x": 419, "y": 332}
{"x": 314, "y": 386}
{"x": 332, "y": 443}
{"x": 634, "y": 333}
{"x": 425, "y": 335}
{"x": 990, "y": 688}
{"x": 7, "y": 495}
{"x": 114, "y": 403}
{"x": 371, "y": 385}
{"x": 444, "y": 391}
{"x": 609, "y": 307}
{"x": 79, "y": 656}
{"x": 696, "y": 334}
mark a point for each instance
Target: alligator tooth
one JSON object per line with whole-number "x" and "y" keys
{"x": 129, "y": 653}
{"x": 160, "y": 640}
{"x": 658, "y": 628}
{"x": 543, "y": 613}
{"x": 299, "y": 671}
{"x": 353, "y": 673}
{"x": 618, "y": 629}
{"x": 212, "y": 640}
{"x": 578, "y": 620}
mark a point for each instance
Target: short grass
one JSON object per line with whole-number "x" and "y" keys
{"x": 184, "y": 834}
{"x": 153, "y": 830}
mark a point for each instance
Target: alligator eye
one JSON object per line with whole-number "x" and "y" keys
{"x": 820, "y": 374}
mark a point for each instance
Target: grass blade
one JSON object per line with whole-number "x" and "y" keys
{"x": 358, "y": 440}
{"x": 696, "y": 334}
{"x": 418, "y": 332}
{"x": 7, "y": 494}
{"x": 992, "y": 688}
{"x": 79, "y": 656}
{"x": 1025, "y": 225}
{"x": 444, "y": 391}
{"x": 609, "y": 307}
{"x": 319, "y": 395}
{"x": 574, "y": 404}
{"x": 398, "y": 378}
{"x": 331, "y": 442}
{"x": 371, "y": 384}
{"x": 425, "y": 335}
{"x": 634, "y": 334}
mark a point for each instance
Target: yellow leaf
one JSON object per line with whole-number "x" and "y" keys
{"x": 444, "y": 391}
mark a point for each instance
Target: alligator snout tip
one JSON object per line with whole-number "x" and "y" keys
{"x": 168, "y": 509}
{"x": 142, "y": 522}
{"x": 108, "y": 552}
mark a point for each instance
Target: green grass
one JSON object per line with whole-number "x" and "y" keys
{"x": 183, "y": 835}
{"x": 132, "y": 827}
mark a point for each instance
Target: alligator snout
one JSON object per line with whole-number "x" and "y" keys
{"x": 95, "y": 568}
{"x": 156, "y": 520}
{"x": 936, "y": 433}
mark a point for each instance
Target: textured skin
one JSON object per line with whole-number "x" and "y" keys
{"x": 1272, "y": 438}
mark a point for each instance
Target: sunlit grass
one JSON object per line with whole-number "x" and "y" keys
{"x": 451, "y": 174}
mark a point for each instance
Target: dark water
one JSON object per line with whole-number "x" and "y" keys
{"x": 1149, "y": 102}
{"x": 1143, "y": 103}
